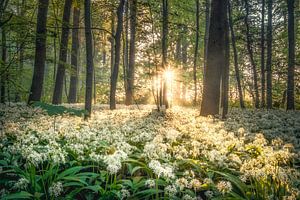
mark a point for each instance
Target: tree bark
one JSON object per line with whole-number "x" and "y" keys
{"x": 269, "y": 55}
{"x": 225, "y": 71}
{"x": 262, "y": 55}
{"x": 3, "y": 60}
{"x": 40, "y": 52}
{"x": 63, "y": 51}
{"x": 74, "y": 56}
{"x": 196, "y": 50}
{"x": 215, "y": 59}
{"x": 165, "y": 32}
{"x": 251, "y": 56}
{"x": 89, "y": 58}
{"x": 235, "y": 57}
{"x": 115, "y": 70}
{"x": 291, "y": 62}
{"x": 206, "y": 35}
{"x": 131, "y": 66}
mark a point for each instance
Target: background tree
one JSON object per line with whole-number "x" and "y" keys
{"x": 40, "y": 52}
{"x": 115, "y": 70}
{"x": 63, "y": 51}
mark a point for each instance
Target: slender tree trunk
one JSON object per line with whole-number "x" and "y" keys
{"x": 225, "y": 71}
{"x": 21, "y": 53}
{"x": 184, "y": 59}
{"x": 40, "y": 52}
{"x": 3, "y": 63}
{"x": 251, "y": 56}
{"x": 215, "y": 59}
{"x": 291, "y": 62}
{"x": 112, "y": 43}
{"x": 235, "y": 56}
{"x": 131, "y": 66}
{"x": 262, "y": 55}
{"x": 74, "y": 56}
{"x": 196, "y": 50}
{"x": 89, "y": 58}
{"x": 63, "y": 51}
{"x": 206, "y": 35}
{"x": 115, "y": 71}
{"x": 269, "y": 55}
{"x": 126, "y": 48}
{"x": 165, "y": 32}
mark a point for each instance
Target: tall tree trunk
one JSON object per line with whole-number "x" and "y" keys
{"x": 74, "y": 56}
{"x": 63, "y": 51}
{"x": 112, "y": 43}
{"x": 21, "y": 52}
{"x": 184, "y": 60}
{"x": 196, "y": 50}
{"x": 206, "y": 35}
{"x": 115, "y": 70}
{"x": 131, "y": 66}
{"x": 225, "y": 71}
{"x": 291, "y": 62}
{"x": 235, "y": 56}
{"x": 40, "y": 52}
{"x": 3, "y": 63}
{"x": 89, "y": 58}
{"x": 126, "y": 47}
{"x": 165, "y": 32}
{"x": 262, "y": 55}
{"x": 215, "y": 59}
{"x": 251, "y": 56}
{"x": 269, "y": 55}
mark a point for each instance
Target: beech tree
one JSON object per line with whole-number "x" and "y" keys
{"x": 40, "y": 52}
{"x": 61, "y": 70}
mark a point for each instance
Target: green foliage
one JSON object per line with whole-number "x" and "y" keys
{"x": 57, "y": 109}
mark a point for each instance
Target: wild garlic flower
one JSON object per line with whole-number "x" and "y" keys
{"x": 161, "y": 170}
{"x": 56, "y": 189}
{"x": 188, "y": 197}
{"x": 21, "y": 184}
{"x": 170, "y": 190}
{"x": 150, "y": 183}
{"x": 224, "y": 187}
{"x": 182, "y": 183}
{"x": 125, "y": 194}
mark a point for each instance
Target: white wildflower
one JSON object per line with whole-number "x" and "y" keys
{"x": 56, "y": 189}
{"x": 224, "y": 187}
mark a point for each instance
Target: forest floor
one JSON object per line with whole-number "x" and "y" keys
{"x": 138, "y": 153}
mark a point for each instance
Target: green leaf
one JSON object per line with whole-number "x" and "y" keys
{"x": 19, "y": 195}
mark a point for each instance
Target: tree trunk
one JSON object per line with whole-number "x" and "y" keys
{"x": 184, "y": 60}
{"x": 262, "y": 44}
{"x": 126, "y": 48}
{"x": 112, "y": 42}
{"x": 196, "y": 49}
{"x": 89, "y": 58}
{"x": 251, "y": 56}
{"x": 291, "y": 62}
{"x": 225, "y": 71}
{"x": 206, "y": 35}
{"x": 63, "y": 51}
{"x": 40, "y": 52}
{"x": 269, "y": 55}
{"x": 115, "y": 70}
{"x": 215, "y": 59}
{"x": 3, "y": 60}
{"x": 74, "y": 56}
{"x": 131, "y": 66}
{"x": 235, "y": 56}
{"x": 165, "y": 32}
